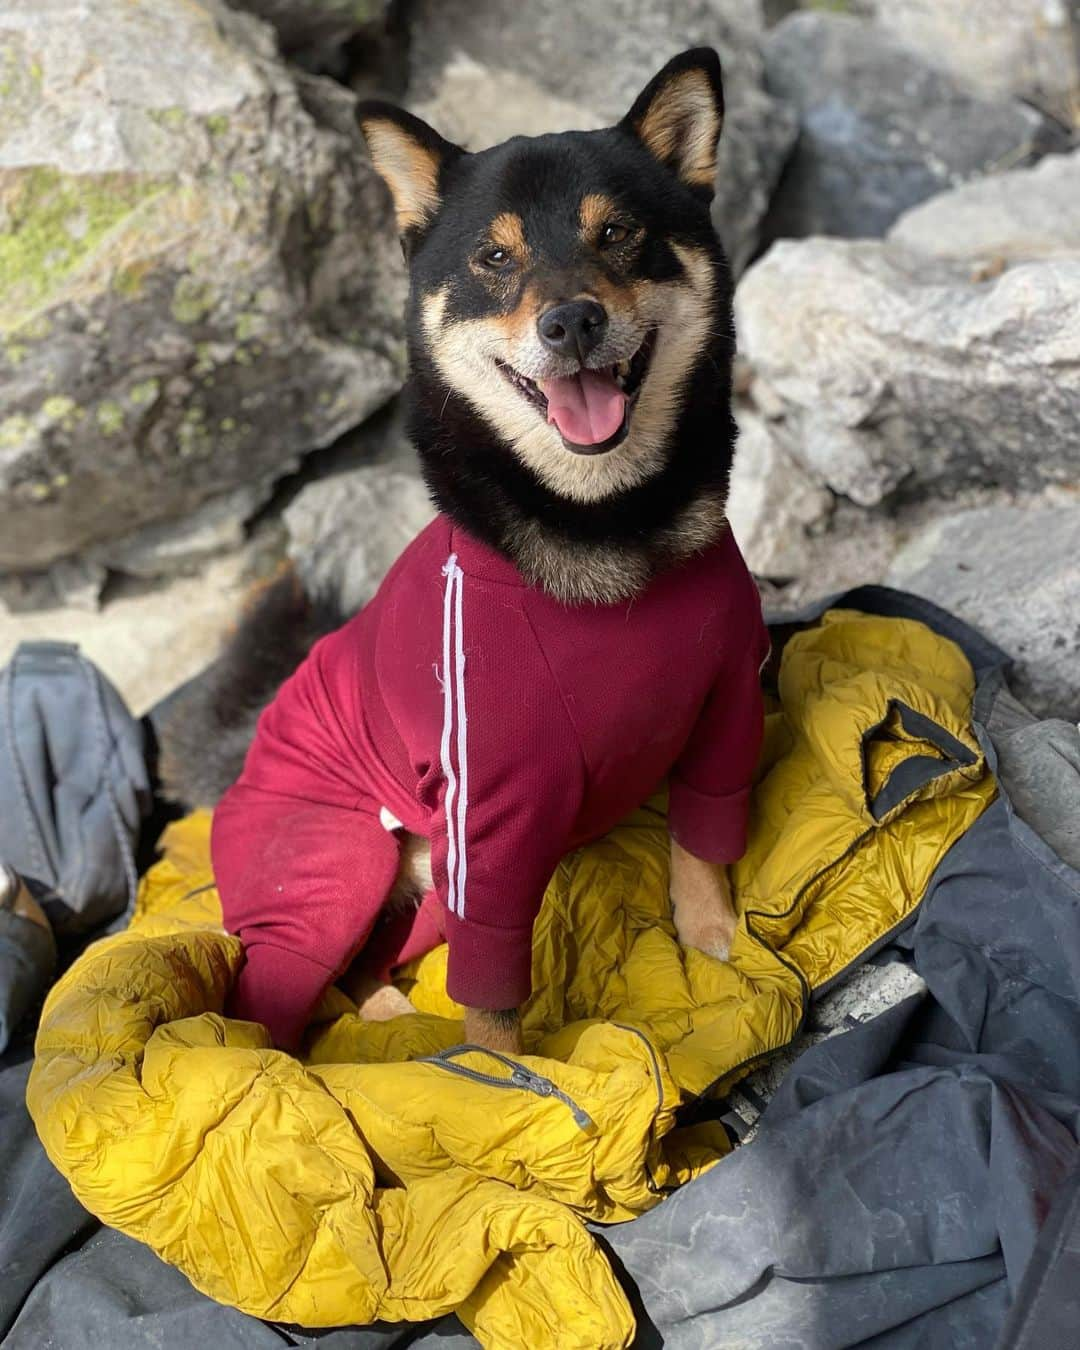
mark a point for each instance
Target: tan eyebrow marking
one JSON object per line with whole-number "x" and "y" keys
{"x": 594, "y": 213}
{"x": 507, "y": 231}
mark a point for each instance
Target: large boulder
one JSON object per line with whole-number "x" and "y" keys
{"x": 199, "y": 278}
{"x": 1024, "y": 47}
{"x": 897, "y": 373}
{"x": 1028, "y": 213}
{"x": 483, "y": 70}
{"x": 1014, "y": 572}
{"x": 881, "y": 129}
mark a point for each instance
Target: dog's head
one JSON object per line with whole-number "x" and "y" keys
{"x": 566, "y": 288}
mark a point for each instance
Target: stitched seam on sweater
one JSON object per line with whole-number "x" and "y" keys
{"x": 562, "y": 697}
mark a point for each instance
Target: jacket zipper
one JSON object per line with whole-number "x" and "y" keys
{"x": 520, "y": 1077}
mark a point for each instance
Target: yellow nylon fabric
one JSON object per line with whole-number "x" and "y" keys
{"x": 357, "y": 1183}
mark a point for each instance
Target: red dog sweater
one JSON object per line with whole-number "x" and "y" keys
{"x": 507, "y": 727}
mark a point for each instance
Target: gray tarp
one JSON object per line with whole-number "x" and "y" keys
{"x": 890, "y": 1198}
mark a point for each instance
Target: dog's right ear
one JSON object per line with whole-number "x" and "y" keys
{"x": 410, "y": 157}
{"x": 679, "y": 115}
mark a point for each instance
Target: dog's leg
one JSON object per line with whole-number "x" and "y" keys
{"x": 494, "y": 1030}
{"x": 701, "y": 903}
{"x": 375, "y": 1001}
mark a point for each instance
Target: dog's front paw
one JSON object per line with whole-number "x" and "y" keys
{"x": 701, "y": 904}
{"x": 713, "y": 937}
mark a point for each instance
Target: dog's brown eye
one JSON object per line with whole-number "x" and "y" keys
{"x": 613, "y": 233}
{"x": 496, "y": 259}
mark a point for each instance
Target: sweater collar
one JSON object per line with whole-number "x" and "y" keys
{"x": 481, "y": 560}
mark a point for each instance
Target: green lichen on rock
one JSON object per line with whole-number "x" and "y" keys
{"x": 110, "y": 417}
{"x": 360, "y": 11}
{"x": 128, "y": 282}
{"x": 192, "y": 300}
{"x": 35, "y": 329}
{"x": 193, "y": 438}
{"x": 15, "y": 431}
{"x": 247, "y": 325}
{"x": 144, "y": 393}
{"x": 56, "y": 408}
{"x": 51, "y": 223}
{"x": 168, "y": 117}
{"x": 217, "y": 124}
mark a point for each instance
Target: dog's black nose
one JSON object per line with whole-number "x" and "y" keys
{"x": 573, "y": 329}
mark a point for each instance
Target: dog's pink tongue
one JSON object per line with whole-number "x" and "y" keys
{"x": 587, "y": 407}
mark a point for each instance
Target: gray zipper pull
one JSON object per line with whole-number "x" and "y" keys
{"x": 544, "y": 1087}
{"x": 520, "y": 1077}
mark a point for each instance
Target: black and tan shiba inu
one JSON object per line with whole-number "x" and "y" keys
{"x": 570, "y": 346}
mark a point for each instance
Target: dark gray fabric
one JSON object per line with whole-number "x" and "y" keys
{"x": 27, "y": 962}
{"x": 1046, "y": 1311}
{"x": 73, "y": 784}
{"x": 39, "y": 1217}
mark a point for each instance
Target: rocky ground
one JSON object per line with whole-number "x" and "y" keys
{"x": 200, "y": 296}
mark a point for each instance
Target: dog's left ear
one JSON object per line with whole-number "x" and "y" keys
{"x": 411, "y": 159}
{"x": 678, "y": 117}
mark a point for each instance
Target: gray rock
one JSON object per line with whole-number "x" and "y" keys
{"x": 487, "y": 69}
{"x": 1014, "y": 573}
{"x": 477, "y": 106}
{"x": 1028, "y": 213}
{"x": 199, "y": 279}
{"x": 773, "y": 503}
{"x": 168, "y": 547}
{"x": 317, "y": 26}
{"x": 1026, "y": 48}
{"x": 346, "y": 530}
{"x": 899, "y": 372}
{"x": 881, "y": 130}
{"x": 77, "y": 583}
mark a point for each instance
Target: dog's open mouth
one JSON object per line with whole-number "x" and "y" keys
{"x": 591, "y": 409}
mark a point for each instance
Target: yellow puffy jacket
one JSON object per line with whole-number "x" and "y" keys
{"x": 392, "y": 1175}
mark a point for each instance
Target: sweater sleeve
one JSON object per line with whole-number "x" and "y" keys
{"x": 509, "y": 792}
{"x": 710, "y": 784}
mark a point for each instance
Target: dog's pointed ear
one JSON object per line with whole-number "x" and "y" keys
{"x": 678, "y": 117}
{"x": 410, "y": 157}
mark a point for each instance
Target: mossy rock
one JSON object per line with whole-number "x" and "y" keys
{"x": 169, "y": 312}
